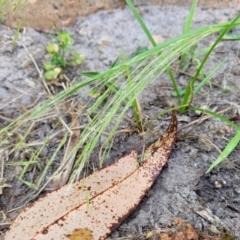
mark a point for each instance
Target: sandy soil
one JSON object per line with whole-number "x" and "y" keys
{"x": 209, "y": 202}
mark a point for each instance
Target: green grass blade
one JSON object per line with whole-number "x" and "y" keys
{"x": 150, "y": 38}
{"x": 52, "y": 158}
{"x": 189, "y": 20}
{"x": 228, "y": 27}
{"x": 191, "y": 83}
{"x": 175, "y": 86}
{"x": 135, "y": 105}
{"x": 29, "y": 184}
{"x": 202, "y": 51}
{"x": 232, "y": 143}
{"x": 232, "y": 37}
{"x": 116, "y": 62}
{"x": 206, "y": 79}
{"x": 186, "y": 28}
{"x": 139, "y": 19}
{"x": 33, "y": 159}
{"x": 216, "y": 115}
{"x": 228, "y": 149}
{"x": 89, "y": 74}
{"x": 3, "y": 6}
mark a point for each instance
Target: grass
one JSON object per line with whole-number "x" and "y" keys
{"x": 11, "y": 7}
{"x": 231, "y": 144}
{"x": 120, "y": 95}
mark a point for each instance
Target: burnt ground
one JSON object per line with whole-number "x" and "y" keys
{"x": 209, "y": 202}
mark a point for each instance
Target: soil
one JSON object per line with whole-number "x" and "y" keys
{"x": 209, "y": 202}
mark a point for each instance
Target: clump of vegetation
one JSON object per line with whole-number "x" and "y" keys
{"x": 116, "y": 89}
{"x": 61, "y": 44}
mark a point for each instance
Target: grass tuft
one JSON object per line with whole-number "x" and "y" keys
{"x": 109, "y": 108}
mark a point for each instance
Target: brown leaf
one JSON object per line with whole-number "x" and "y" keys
{"x": 96, "y": 205}
{"x": 164, "y": 236}
{"x": 56, "y": 204}
{"x": 190, "y": 233}
{"x": 149, "y": 234}
{"x": 180, "y": 231}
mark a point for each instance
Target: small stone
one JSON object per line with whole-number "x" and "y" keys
{"x": 104, "y": 41}
{"x": 29, "y": 83}
{"x": 82, "y": 32}
{"x": 158, "y": 40}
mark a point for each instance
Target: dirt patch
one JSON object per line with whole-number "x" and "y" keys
{"x": 40, "y": 15}
{"x": 209, "y": 202}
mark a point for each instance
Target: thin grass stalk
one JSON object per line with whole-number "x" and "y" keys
{"x": 191, "y": 83}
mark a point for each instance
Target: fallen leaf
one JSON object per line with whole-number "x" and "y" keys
{"x": 54, "y": 205}
{"x": 190, "y": 233}
{"x": 93, "y": 207}
{"x": 164, "y": 236}
{"x": 179, "y": 231}
{"x": 149, "y": 234}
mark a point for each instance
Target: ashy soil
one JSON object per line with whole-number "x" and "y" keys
{"x": 209, "y": 202}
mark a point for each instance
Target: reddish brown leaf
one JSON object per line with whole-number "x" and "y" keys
{"x": 190, "y": 233}
{"x": 96, "y": 205}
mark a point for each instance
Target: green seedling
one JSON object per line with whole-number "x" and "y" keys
{"x": 180, "y": 92}
{"x": 77, "y": 59}
{"x": 52, "y": 73}
{"x": 61, "y": 44}
{"x": 52, "y": 48}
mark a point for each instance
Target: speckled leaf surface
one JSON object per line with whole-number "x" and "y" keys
{"x": 92, "y": 208}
